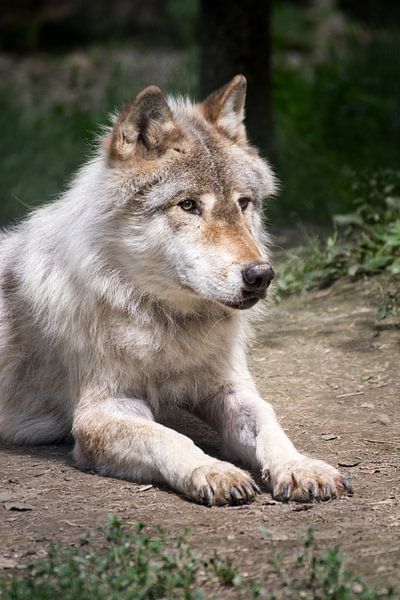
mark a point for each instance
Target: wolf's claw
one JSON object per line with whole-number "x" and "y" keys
{"x": 347, "y": 484}
{"x": 221, "y": 483}
{"x": 207, "y": 496}
{"x": 305, "y": 479}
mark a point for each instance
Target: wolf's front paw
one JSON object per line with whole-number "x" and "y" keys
{"x": 221, "y": 483}
{"x": 305, "y": 479}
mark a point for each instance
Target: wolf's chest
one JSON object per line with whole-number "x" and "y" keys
{"x": 159, "y": 353}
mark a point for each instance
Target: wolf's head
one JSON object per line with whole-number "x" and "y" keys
{"x": 188, "y": 192}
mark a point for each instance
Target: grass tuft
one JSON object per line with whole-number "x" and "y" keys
{"x": 365, "y": 242}
{"x": 128, "y": 564}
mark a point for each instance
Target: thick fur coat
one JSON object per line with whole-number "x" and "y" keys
{"x": 134, "y": 293}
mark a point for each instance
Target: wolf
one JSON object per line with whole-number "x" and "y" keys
{"x": 134, "y": 295}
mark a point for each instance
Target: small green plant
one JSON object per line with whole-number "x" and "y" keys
{"x": 128, "y": 564}
{"x": 365, "y": 242}
{"x": 321, "y": 577}
{"x": 390, "y": 306}
{"x": 226, "y": 571}
{"x": 133, "y": 565}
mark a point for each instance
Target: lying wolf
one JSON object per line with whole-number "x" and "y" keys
{"x": 134, "y": 294}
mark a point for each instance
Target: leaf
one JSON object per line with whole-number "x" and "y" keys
{"x": 17, "y": 506}
{"x": 394, "y": 268}
{"x": 354, "y": 269}
{"x": 382, "y": 313}
{"x": 349, "y": 219}
{"x": 328, "y": 436}
{"x": 377, "y": 262}
{"x": 393, "y": 202}
{"x": 144, "y": 488}
{"x": 349, "y": 462}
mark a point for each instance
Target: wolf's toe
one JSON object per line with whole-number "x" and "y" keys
{"x": 306, "y": 480}
{"x": 221, "y": 483}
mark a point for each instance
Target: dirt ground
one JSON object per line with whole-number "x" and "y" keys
{"x": 332, "y": 372}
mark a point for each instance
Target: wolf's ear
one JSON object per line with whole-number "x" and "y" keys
{"x": 225, "y": 108}
{"x": 145, "y": 127}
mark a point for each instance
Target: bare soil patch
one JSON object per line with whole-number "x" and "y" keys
{"x": 332, "y": 372}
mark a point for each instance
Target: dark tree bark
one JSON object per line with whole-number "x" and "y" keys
{"x": 235, "y": 37}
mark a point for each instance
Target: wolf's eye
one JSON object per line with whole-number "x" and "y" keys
{"x": 243, "y": 203}
{"x": 189, "y": 205}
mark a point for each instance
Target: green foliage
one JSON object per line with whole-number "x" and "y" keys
{"x": 36, "y": 29}
{"x": 226, "y": 572}
{"x": 336, "y": 101}
{"x": 130, "y": 565}
{"x": 182, "y": 16}
{"x": 321, "y": 577}
{"x": 336, "y": 105}
{"x": 366, "y": 241}
{"x": 293, "y": 27}
{"x": 38, "y": 154}
{"x": 359, "y": 105}
{"x": 390, "y": 305}
{"x": 46, "y": 138}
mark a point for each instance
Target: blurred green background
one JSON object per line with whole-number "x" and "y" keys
{"x": 335, "y": 91}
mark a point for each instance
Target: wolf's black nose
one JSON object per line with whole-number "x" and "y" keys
{"x": 257, "y": 276}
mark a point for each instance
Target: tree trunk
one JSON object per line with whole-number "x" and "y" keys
{"x": 235, "y": 37}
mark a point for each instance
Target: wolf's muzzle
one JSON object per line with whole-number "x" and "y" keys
{"x": 257, "y": 277}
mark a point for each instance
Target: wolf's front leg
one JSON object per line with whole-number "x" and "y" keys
{"x": 119, "y": 437}
{"x": 251, "y": 433}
